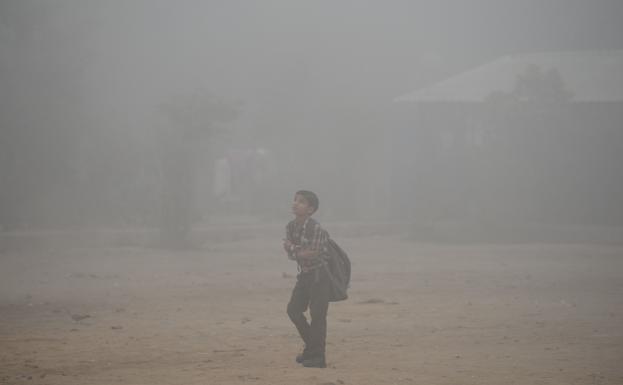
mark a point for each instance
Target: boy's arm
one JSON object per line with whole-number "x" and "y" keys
{"x": 308, "y": 253}
{"x": 288, "y": 245}
{"x": 291, "y": 249}
{"x": 295, "y": 251}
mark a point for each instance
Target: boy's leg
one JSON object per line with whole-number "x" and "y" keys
{"x": 318, "y": 308}
{"x": 297, "y": 306}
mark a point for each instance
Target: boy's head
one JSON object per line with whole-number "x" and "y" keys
{"x": 305, "y": 203}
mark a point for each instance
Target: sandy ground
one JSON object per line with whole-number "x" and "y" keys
{"x": 418, "y": 314}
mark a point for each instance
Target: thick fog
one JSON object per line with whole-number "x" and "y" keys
{"x": 467, "y": 156}
{"x": 169, "y": 115}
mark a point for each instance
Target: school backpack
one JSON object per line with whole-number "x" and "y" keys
{"x": 338, "y": 267}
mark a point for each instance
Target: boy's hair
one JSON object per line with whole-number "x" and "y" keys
{"x": 310, "y": 197}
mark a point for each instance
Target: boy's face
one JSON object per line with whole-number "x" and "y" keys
{"x": 300, "y": 207}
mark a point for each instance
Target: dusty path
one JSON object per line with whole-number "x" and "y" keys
{"x": 418, "y": 314}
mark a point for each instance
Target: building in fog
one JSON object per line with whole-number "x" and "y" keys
{"x": 532, "y": 138}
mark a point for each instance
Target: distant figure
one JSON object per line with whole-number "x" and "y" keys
{"x": 324, "y": 273}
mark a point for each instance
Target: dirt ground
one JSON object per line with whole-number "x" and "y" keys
{"x": 418, "y": 313}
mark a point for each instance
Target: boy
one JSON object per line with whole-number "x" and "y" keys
{"x": 306, "y": 242}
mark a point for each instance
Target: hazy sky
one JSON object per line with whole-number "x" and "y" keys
{"x": 389, "y": 46}
{"x": 369, "y": 50}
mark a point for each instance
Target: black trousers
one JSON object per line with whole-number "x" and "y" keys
{"x": 311, "y": 291}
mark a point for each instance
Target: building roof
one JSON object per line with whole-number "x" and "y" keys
{"x": 590, "y": 76}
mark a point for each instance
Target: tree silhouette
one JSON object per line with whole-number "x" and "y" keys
{"x": 191, "y": 120}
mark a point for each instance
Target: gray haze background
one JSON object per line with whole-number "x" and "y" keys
{"x": 117, "y": 113}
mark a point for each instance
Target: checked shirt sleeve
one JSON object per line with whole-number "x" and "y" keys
{"x": 318, "y": 238}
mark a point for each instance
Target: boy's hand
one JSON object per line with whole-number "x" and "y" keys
{"x": 287, "y": 245}
{"x": 307, "y": 254}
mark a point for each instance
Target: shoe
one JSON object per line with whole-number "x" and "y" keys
{"x": 316, "y": 362}
{"x": 300, "y": 358}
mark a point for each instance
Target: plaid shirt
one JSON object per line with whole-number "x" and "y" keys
{"x": 308, "y": 236}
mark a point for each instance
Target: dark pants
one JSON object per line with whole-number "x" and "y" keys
{"x": 311, "y": 290}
